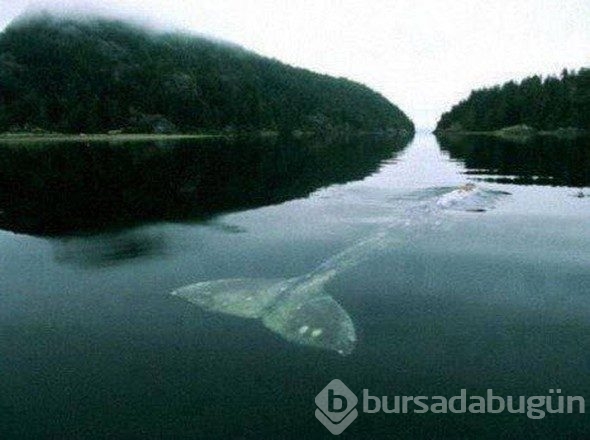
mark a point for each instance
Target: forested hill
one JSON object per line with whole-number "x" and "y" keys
{"x": 547, "y": 104}
{"x": 96, "y": 75}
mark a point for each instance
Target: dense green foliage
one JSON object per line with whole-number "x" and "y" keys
{"x": 546, "y": 104}
{"x": 96, "y": 75}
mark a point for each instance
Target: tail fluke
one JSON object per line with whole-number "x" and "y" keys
{"x": 317, "y": 321}
{"x": 300, "y": 313}
{"x": 244, "y": 297}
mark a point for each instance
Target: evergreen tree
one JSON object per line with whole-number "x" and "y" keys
{"x": 96, "y": 75}
{"x": 546, "y": 104}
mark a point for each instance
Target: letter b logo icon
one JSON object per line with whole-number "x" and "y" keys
{"x": 336, "y": 407}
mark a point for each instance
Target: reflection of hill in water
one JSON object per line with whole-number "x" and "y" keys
{"x": 52, "y": 190}
{"x": 541, "y": 161}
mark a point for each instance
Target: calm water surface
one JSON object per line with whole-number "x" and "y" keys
{"x": 93, "y": 346}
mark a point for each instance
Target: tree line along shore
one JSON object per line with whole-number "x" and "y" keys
{"x": 553, "y": 106}
{"x": 94, "y": 75}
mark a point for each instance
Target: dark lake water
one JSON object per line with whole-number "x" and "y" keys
{"x": 94, "y": 238}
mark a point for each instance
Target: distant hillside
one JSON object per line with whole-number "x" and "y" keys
{"x": 96, "y": 75}
{"x": 547, "y": 104}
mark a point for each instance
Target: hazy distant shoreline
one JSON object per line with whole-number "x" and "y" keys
{"x": 519, "y": 132}
{"x": 130, "y": 137}
{"x": 31, "y": 138}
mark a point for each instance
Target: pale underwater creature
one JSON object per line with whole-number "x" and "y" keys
{"x": 299, "y": 309}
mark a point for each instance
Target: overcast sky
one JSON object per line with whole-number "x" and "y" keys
{"x": 424, "y": 55}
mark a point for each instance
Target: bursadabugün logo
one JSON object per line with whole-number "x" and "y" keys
{"x": 336, "y": 407}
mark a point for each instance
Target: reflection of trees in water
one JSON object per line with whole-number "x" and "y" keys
{"x": 108, "y": 249}
{"x": 541, "y": 161}
{"x": 52, "y": 189}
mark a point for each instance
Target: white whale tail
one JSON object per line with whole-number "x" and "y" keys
{"x": 299, "y": 310}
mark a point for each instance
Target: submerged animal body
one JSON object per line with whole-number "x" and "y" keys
{"x": 469, "y": 198}
{"x": 299, "y": 309}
